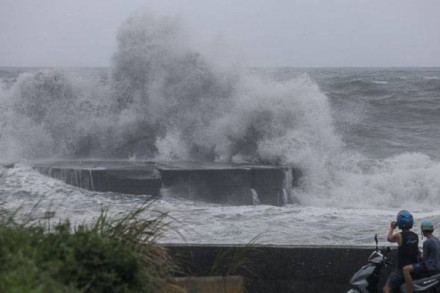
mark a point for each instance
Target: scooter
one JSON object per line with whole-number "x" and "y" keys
{"x": 367, "y": 278}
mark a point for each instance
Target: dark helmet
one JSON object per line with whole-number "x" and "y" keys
{"x": 427, "y": 226}
{"x": 405, "y": 220}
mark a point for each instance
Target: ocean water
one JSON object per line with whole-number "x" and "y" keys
{"x": 366, "y": 139}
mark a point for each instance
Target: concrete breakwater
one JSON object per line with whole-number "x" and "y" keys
{"x": 277, "y": 269}
{"x": 235, "y": 184}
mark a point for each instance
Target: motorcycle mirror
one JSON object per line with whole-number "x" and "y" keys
{"x": 375, "y": 240}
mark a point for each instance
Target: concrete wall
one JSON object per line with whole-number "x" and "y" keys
{"x": 270, "y": 185}
{"x": 122, "y": 177}
{"x": 211, "y": 182}
{"x": 277, "y": 269}
{"x": 227, "y": 186}
{"x": 227, "y": 284}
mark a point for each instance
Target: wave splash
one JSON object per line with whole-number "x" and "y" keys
{"x": 163, "y": 100}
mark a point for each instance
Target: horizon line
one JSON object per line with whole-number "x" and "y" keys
{"x": 250, "y": 67}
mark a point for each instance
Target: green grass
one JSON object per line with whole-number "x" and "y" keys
{"x": 109, "y": 255}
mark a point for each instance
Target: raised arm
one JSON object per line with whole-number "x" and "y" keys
{"x": 394, "y": 237}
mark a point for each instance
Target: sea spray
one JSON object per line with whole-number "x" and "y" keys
{"x": 163, "y": 100}
{"x": 166, "y": 101}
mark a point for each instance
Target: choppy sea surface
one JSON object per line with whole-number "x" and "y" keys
{"x": 366, "y": 139}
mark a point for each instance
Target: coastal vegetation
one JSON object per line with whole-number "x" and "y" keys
{"x": 111, "y": 254}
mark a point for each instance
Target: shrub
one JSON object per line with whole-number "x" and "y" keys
{"x": 109, "y": 255}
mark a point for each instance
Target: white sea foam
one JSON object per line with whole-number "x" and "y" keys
{"x": 380, "y": 81}
{"x": 407, "y": 180}
{"x": 197, "y": 222}
{"x": 26, "y": 190}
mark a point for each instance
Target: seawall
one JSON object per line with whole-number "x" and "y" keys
{"x": 276, "y": 269}
{"x": 234, "y": 184}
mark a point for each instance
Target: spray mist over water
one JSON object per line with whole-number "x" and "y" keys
{"x": 165, "y": 101}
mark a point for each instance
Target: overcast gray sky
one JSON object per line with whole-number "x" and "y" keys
{"x": 318, "y": 33}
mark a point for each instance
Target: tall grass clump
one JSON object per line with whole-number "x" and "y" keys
{"x": 112, "y": 254}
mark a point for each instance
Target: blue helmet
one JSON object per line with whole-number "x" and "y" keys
{"x": 427, "y": 226}
{"x": 405, "y": 220}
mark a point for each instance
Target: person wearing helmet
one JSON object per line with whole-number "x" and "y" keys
{"x": 407, "y": 250}
{"x": 431, "y": 256}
